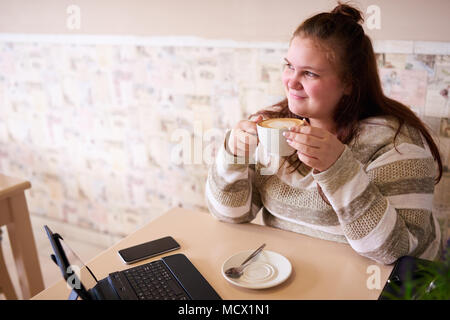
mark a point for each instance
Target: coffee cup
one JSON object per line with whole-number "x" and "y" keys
{"x": 270, "y": 135}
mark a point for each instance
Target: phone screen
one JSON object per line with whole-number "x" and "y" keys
{"x": 148, "y": 249}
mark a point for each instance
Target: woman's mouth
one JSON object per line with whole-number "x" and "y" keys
{"x": 296, "y": 97}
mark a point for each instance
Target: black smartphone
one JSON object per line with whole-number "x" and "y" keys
{"x": 148, "y": 249}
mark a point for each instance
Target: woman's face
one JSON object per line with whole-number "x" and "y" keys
{"x": 311, "y": 82}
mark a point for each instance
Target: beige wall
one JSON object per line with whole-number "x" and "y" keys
{"x": 247, "y": 20}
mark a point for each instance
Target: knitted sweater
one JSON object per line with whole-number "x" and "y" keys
{"x": 380, "y": 196}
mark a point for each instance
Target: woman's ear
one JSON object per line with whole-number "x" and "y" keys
{"x": 348, "y": 88}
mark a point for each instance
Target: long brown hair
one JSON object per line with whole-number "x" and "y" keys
{"x": 341, "y": 30}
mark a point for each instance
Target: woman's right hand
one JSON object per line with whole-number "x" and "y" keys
{"x": 244, "y": 138}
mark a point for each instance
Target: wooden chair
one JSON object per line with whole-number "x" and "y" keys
{"x": 15, "y": 216}
{"x": 6, "y": 286}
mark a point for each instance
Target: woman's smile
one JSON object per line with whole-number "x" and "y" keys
{"x": 297, "y": 96}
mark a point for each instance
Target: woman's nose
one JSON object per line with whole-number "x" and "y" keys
{"x": 294, "y": 83}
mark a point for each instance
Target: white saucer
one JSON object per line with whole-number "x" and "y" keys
{"x": 267, "y": 270}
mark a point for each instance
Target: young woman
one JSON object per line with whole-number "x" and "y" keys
{"x": 364, "y": 170}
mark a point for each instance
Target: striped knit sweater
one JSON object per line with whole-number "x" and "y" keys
{"x": 380, "y": 197}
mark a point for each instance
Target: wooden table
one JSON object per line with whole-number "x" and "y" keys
{"x": 14, "y": 214}
{"x": 321, "y": 269}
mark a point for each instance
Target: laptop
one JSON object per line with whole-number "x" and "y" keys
{"x": 173, "y": 277}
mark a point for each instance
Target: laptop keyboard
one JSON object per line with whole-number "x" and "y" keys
{"x": 153, "y": 281}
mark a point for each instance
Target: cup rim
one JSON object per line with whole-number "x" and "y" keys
{"x": 258, "y": 124}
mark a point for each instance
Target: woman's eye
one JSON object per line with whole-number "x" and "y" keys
{"x": 307, "y": 73}
{"x": 310, "y": 74}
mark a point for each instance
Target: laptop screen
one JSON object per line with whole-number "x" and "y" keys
{"x": 78, "y": 277}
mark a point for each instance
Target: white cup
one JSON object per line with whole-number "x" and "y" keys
{"x": 270, "y": 135}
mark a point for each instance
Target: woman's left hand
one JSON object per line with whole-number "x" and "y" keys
{"x": 316, "y": 147}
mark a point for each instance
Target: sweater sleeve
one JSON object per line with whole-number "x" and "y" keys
{"x": 385, "y": 209}
{"x": 230, "y": 192}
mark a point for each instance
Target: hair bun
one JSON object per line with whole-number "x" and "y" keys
{"x": 348, "y": 11}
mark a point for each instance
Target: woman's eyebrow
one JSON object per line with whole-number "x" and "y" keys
{"x": 304, "y": 67}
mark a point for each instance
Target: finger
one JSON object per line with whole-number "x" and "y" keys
{"x": 313, "y": 131}
{"x": 250, "y": 140}
{"x": 305, "y": 139}
{"x": 244, "y": 145}
{"x": 297, "y": 128}
{"x": 306, "y": 150}
{"x": 247, "y": 137}
{"x": 249, "y": 127}
{"x": 244, "y": 149}
{"x": 258, "y": 118}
